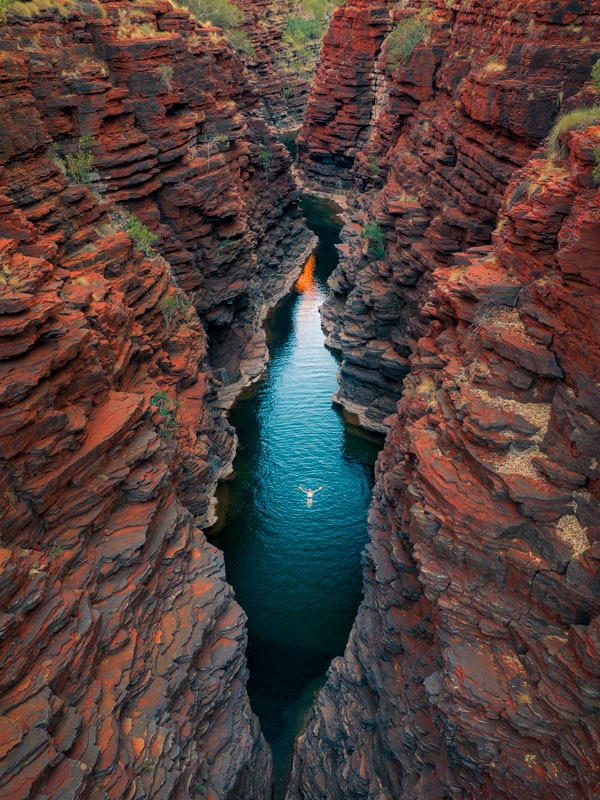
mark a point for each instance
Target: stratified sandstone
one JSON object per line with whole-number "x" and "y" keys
{"x": 472, "y": 667}
{"x": 122, "y": 648}
{"x": 442, "y": 134}
{"x": 282, "y": 92}
{"x": 338, "y": 113}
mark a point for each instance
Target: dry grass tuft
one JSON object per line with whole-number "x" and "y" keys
{"x": 494, "y": 66}
{"x": 573, "y": 120}
{"x": 455, "y": 273}
{"x": 405, "y": 197}
{"x": 536, "y": 413}
{"x": 518, "y": 462}
{"x": 31, "y": 8}
{"x": 569, "y": 530}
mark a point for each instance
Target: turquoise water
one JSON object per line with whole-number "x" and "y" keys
{"x": 295, "y": 569}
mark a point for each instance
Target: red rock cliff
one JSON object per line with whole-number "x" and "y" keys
{"x": 442, "y": 134}
{"x": 282, "y": 92}
{"x": 122, "y": 648}
{"x": 339, "y": 108}
{"x": 472, "y": 667}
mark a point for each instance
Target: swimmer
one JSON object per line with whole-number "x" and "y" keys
{"x": 309, "y": 494}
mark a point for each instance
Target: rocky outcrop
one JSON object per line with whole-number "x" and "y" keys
{"x": 282, "y": 92}
{"x": 471, "y": 670}
{"x": 138, "y": 184}
{"x": 472, "y": 667}
{"x": 430, "y": 145}
{"x": 337, "y": 118}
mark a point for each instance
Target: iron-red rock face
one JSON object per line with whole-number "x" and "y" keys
{"x": 470, "y": 671}
{"x": 122, "y": 648}
{"x": 438, "y": 129}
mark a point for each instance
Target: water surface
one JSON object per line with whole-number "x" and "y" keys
{"x": 295, "y": 569}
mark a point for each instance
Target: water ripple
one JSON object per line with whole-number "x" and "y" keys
{"x": 296, "y": 569}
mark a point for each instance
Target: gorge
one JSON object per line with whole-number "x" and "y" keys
{"x": 295, "y": 568}
{"x": 149, "y": 222}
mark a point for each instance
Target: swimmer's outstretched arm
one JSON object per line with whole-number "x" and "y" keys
{"x": 303, "y": 490}
{"x": 319, "y": 489}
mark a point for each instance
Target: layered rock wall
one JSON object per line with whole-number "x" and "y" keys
{"x": 430, "y": 145}
{"x": 122, "y": 648}
{"x": 472, "y": 667}
{"x": 338, "y": 114}
{"x": 282, "y": 92}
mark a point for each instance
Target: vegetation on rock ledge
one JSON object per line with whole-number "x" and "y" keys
{"x": 225, "y": 15}
{"x": 142, "y": 237}
{"x": 375, "y": 237}
{"x": 303, "y": 36}
{"x": 404, "y": 38}
{"x": 578, "y": 118}
{"x": 78, "y": 164}
{"x": 166, "y": 408}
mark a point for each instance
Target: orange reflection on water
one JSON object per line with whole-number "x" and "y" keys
{"x": 306, "y": 281}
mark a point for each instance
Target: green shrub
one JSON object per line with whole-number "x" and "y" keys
{"x": 177, "y": 309}
{"x": 373, "y": 165}
{"x": 221, "y": 13}
{"x": 403, "y": 39}
{"x": 372, "y": 230}
{"x": 240, "y": 40}
{"x": 303, "y": 30}
{"x": 80, "y": 164}
{"x": 166, "y": 408}
{"x": 160, "y": 399}
{"x": 225, "y": 15}
{"x": 375, "y": 237}
{"x": 303, "y": 35}
{"x": 4, "y": 7}
{"x": 578, "y": 118}
{"x": 266, "y": 159}
{"x": 596, "y": 74}
{"x": 141, "y": 237}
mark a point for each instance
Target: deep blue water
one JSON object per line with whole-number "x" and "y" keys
{"x": 295, "y": 569}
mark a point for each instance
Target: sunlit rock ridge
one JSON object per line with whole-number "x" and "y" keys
{"x": 470, "y": 264}
{"x": 148, "y": 221}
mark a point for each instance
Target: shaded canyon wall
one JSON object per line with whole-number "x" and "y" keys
{"x": 122, "y": 647}
{"x": 472, "y": 667}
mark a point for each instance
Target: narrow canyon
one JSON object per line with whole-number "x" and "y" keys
{"x": 150, "y": 222}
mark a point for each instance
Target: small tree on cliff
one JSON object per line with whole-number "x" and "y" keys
{"x": 177, "y": 309}
{"x": 213, "y": 145}
{"x": 166, "y": 409}
{"x": 375, "y": 237}
{"x": 78, "y": 164}
{"x": 141, "y": 237}
{"x": 266, "y": 157}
